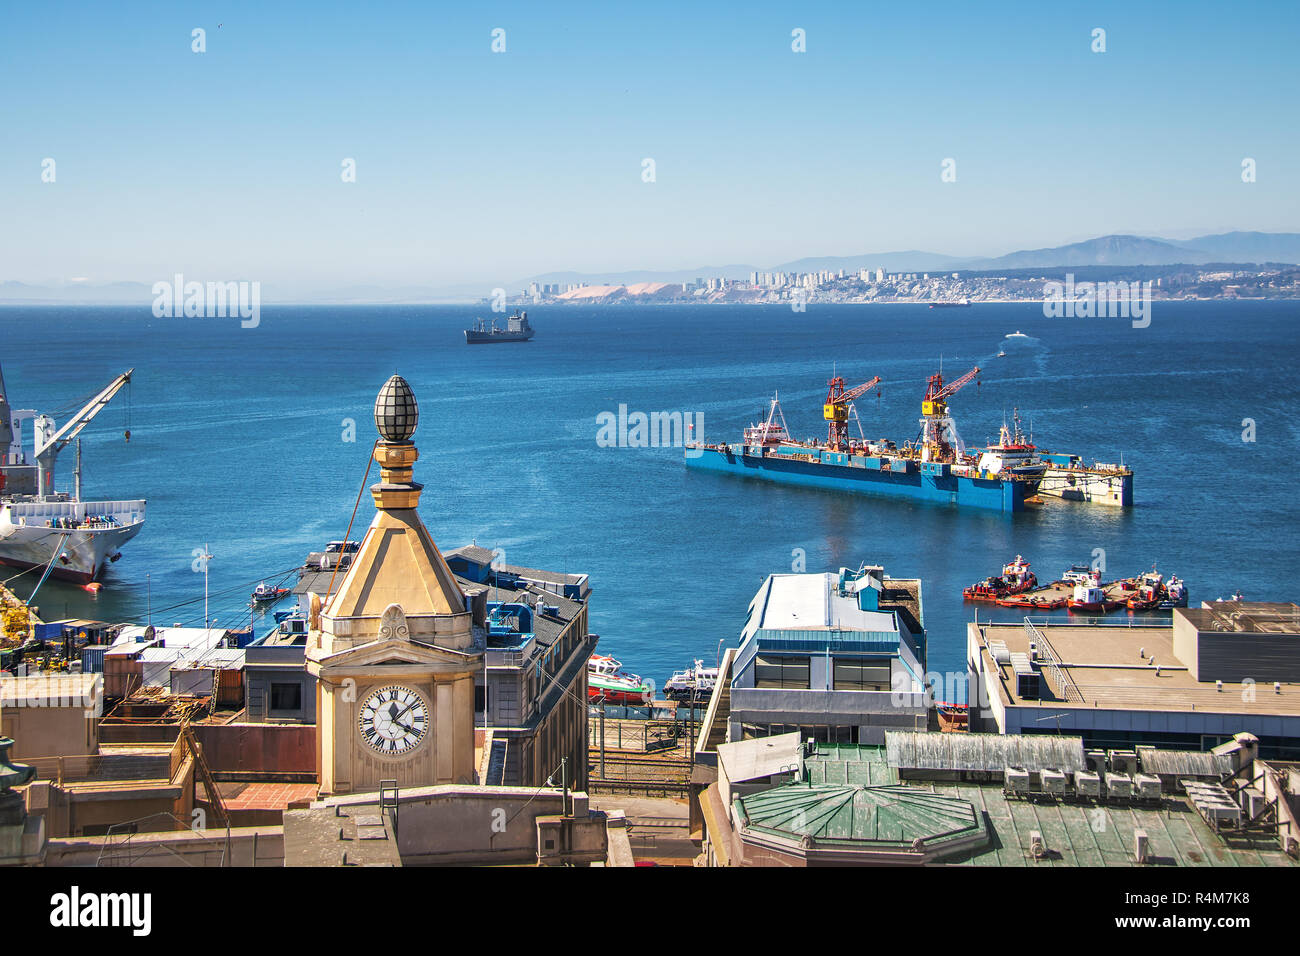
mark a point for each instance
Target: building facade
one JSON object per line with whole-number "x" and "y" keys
{"x": 835, "y": 657}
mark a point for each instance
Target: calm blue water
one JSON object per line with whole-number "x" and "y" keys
{"x": 237, "y": 443}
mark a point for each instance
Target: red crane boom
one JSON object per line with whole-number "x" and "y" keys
{"x": 937, "y": 391}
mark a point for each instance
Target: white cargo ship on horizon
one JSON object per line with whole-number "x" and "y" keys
{"x": 48, "y": 529}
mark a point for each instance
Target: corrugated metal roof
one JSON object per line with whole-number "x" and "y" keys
{"x": 908, "y": 750}
{"x": 1184, "y": 763}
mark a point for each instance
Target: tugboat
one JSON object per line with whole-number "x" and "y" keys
{"x": 1091, "y": 597}
{"x": 1148, "y": 589}
{"x": 606, "y": 683}
{"x": 692, "y": 685}
{"x": 1014, "y": 579}
{"x": 517, "y": 330}
{"x": 1175, "y": 594}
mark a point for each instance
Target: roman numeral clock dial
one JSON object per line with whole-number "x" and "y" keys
{"x": 393, "y": 720}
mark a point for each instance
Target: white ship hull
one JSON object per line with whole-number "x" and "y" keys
{"x": 91, "y": 534}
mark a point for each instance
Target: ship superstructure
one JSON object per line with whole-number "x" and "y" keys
{"x": 41, "y": 527}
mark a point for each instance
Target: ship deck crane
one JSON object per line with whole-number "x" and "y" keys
{"x": 936, "y": 424}
{"x": 836, "y": 409}
{"x": 48, "y": 446}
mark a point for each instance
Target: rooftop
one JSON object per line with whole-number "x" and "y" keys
{"x": 1249, "y": 617}
{"x": 1099, "y": 666}
{"x": 813, "y": 602}
{"x": 52, "y": 690}
{"x": 759, "y": 756}
{"x": 1074, "y": 833}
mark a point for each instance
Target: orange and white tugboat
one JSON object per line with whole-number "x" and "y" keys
{"x": 1015, "y": 578}
{"x": 1147, "y": 592}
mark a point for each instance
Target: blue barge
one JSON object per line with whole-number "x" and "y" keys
{"x": 867, "y": 474}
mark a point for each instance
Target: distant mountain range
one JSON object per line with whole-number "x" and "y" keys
{"x": 1229, "y": 247}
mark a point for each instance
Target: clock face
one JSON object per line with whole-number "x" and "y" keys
{"x": 393, "y": 720}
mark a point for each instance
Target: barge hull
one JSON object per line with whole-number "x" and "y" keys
{"x": 922, "y": 482}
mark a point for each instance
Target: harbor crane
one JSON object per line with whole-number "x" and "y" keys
{"x": 939, "y": 438}
{"x": 836, "y": 409}
{"x": 48, "y": 446}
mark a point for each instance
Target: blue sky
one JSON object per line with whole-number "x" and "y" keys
{"x": 474, "y": 166}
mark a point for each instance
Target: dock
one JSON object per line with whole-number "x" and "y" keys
{"x": 1057, "y": 595}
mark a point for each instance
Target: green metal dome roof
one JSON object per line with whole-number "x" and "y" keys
{"x": 891, "y": 818}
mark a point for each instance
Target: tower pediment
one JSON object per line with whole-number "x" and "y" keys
{"x": 393, "y": 652}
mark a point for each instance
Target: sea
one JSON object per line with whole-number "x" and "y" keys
{"x": 252, "y": 443}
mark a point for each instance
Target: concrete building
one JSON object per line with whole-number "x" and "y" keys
{"x": 1213, "y": 672}
{"x": 837, "y": 657}
{"x": 52, "y": 715}
{"x": 277, "y": 687}
{"x": 531, "y": 697}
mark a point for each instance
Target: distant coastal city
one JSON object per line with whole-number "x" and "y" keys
{"x": 843, "y": 287}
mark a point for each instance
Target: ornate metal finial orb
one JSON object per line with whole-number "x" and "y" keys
{"x": 396, "y": 411}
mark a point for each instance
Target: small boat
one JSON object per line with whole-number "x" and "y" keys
{"x": 606, "y": 683}
{"x": 268, "y": 595}
{"x": 1175, "y": 594}
{"x": 1017, "y": 335}
{"x": 691, "y": 685}
{"x": 1015, "y": 578}
{"x": 1002, "y": 355}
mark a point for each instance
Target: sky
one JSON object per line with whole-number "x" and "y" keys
{"x": 478, "y": 166}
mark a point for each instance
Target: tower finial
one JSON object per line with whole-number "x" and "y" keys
{"x": 396, "y": 415}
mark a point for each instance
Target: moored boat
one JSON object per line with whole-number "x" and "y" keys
{"x": 68, "y": 536}
{"x": 606, "y": 683}
{"x": 691, "y": 685}
{"x": 1091, "y": 597}
{"x": 1015, "y": 578}
{"x": 263, "y": 594}
{"x": 1175, "y": 594}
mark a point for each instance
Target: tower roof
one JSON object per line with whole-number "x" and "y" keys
{"x": 398, "y": 563}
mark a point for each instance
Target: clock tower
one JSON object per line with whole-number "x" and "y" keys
{"x": 392, "y": 647}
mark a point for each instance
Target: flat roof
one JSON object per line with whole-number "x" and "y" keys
{"x": 1100, "y": 668}
{"x": 48, "y": 690}
{"x": 1247, "y": 617}
{"x": 812, "y": 602}
{"x": 759, "y": 757}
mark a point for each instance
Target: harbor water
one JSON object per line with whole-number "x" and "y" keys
{"x": 254, "y": 442}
